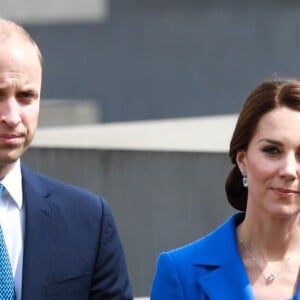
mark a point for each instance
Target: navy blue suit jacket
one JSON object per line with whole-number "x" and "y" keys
{"x": 71, "y": 249}
{"x": 210, "y": 268}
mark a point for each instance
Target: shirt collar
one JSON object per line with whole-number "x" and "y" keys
{"x": 13, "y": 184}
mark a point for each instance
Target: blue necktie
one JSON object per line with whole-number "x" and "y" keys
{"x": 7, "y": 287}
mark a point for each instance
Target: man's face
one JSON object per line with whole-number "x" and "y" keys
{"x": 20, "y": 86}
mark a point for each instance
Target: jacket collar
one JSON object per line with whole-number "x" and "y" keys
{"x": 39, "y": 233}
{"x": 225, "y": 273}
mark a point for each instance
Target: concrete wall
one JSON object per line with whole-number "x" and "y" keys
{"x": 160, "y": 200}
{"x": 170, "y": 58}
{"x": 68, "y": 112}
{"x": 54, "y": 11}
{"x": 151, "y": 59}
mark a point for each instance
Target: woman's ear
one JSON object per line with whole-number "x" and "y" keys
{"x": 240, "y": 160}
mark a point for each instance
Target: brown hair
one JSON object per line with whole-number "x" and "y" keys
{"x": 264, "y": 98}
{"x": 10, "y": 29}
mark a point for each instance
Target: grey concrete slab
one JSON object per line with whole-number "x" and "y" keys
{"x": 68, "y": 112}
{"x": 187, "y": 134}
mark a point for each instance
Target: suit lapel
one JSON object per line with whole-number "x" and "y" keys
{"x": 224, "y": 272}
{"x": 39, "y": 234}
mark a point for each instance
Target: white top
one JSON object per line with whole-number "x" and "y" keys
{"x": 13, "y": 223}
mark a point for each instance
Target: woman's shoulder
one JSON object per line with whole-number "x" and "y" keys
{"x": 222, "y": 235}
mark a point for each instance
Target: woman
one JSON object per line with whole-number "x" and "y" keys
{"x": 256, "y": 253}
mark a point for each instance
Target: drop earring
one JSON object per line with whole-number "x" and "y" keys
{"x": 245, "y": 180}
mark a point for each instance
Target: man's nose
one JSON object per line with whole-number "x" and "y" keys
{"x": 9, "y": 112}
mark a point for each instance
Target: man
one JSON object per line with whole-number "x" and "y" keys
{"x": 62, "y": 240}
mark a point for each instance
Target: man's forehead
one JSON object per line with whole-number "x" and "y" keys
{"x": 19, "y": 61}
{"x": 17, "y": 45}
{"x": 11, "y": 32}
{"x": 10, "y": 29}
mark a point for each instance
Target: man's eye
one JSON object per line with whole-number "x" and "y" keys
{"x": 3, "y": 95}
{"x": 26, "y": 96}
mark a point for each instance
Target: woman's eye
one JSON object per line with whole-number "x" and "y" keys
{"x": 271, "y": 150}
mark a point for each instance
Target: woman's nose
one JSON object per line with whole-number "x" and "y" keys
{"x": 289, "y": 167}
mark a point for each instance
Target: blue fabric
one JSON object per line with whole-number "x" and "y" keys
{"x": 7, "y": 287}
{"x": 72, "y": 250}
{"x": 208, "y": 269}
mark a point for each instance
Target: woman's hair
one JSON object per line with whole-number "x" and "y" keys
{"x": 264, "y": 98}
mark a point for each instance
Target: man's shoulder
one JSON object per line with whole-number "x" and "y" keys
{"x": 62, "y": 193}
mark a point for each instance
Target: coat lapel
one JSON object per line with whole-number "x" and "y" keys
{"x": 224, "y": 273}
{"x": 39, "y": 235}
{"x": 228, "y": 280}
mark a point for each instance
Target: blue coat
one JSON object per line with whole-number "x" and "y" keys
{"x": 72, "y": 250}
{"x": 209, "y": 268}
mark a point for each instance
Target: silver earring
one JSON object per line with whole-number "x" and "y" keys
{"x": 245, "y": 180}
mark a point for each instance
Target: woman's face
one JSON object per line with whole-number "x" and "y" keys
{"x": 272, "y": 164}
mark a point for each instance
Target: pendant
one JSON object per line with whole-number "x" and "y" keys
{"x": 271, "y": 277}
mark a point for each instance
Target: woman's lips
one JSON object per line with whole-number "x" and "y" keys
{"x": 285, "y": 193}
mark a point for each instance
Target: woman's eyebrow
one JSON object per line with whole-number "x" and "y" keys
{"x": 270, "y": 141}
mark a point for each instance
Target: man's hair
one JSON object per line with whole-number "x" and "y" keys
{"x": 10, "y": 29}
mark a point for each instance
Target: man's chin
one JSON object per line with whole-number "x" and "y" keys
{"x": 7, "y": 162}
{"x": 9, "y": 158}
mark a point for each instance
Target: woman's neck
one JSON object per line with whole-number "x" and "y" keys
{"x": 270, "y": 238}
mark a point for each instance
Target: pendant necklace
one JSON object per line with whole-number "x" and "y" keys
{"x": 269, "y": 278}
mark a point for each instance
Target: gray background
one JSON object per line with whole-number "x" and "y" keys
{"x": 170, "y": 58}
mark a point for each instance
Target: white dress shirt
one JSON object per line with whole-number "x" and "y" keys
{"x": 12, "y": 223}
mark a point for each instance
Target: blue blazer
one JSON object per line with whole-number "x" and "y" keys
{"x": 72, "y": 250}
{"x": 210, "y": 268}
